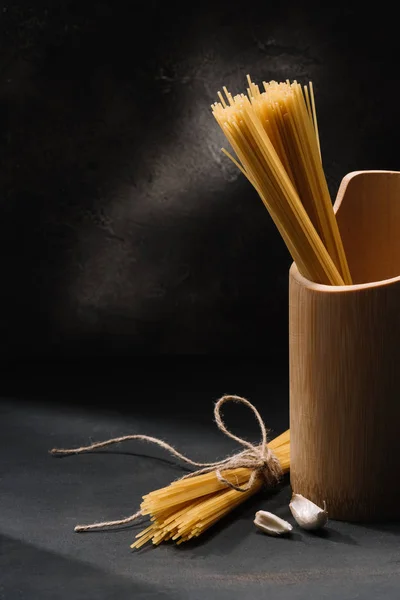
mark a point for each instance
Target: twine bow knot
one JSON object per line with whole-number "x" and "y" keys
{"x": 257, "y": 457}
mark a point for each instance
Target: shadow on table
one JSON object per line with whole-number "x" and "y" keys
{"x": 385, "y": 527}
{"x": 31, "y": 572}
{"x": 331, "y": 534}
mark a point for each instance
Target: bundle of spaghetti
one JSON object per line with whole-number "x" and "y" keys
{"x": 186, "y": 508}
{"x": 274, "y": 134}
{"x": 189, "y": 506}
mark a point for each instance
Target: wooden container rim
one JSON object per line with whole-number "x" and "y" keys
{"x": 339, "y": 289}
{"x": 344, "y": 289}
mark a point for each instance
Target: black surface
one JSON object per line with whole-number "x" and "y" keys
{"x": 123, "y": 229}
{"x": 43, "y": 497}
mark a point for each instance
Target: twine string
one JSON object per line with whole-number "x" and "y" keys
{"x": 259, "y": 458}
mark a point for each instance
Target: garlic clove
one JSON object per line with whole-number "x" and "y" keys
{"x": 271, "y": 524}
{"x": 307, "y": 514}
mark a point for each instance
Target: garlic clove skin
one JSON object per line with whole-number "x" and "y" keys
{"x": 307, "y": 514}
{"x": 271, "y": 524}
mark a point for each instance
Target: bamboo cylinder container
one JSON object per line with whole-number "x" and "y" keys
{"x": 345, "y": 362}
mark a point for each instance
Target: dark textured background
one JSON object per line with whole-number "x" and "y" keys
{"x": 123, "y": 229}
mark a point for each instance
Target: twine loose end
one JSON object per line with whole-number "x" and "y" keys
{"x": 108, "y": 524}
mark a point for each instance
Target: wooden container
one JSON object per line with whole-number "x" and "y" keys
{"x": 345, "y": 362}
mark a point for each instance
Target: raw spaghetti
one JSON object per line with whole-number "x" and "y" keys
{"x": 274, "y": 134}
{"x": 186, "y": 508}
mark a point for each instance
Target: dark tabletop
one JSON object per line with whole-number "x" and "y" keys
{"x": 43, "y": 497}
